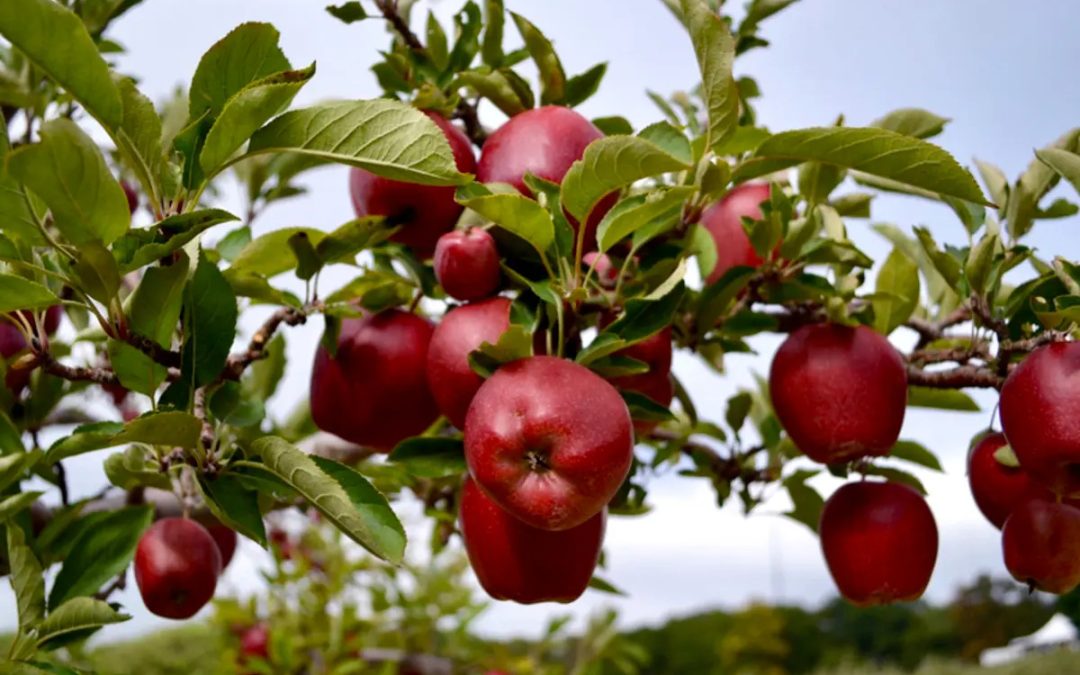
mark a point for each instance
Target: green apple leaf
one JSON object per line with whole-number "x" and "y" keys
{"x": 913, "y": 452}
{"x": 898, "y": 290}
{"x": 248, "y": 53}
{"x": 142, "y": 246}
{"x": 914, "y": 122}
{"x": 27, "y": 581}
{"x": 74, "y": 620}
{"x": 552, "y": 75}
{"x": 1066, "y": 164}
{"x": 714, "y": 47}
{"x": 18, "y": 293}
{"x": 235, "y": 505}
{"x": 514, "y": 213}
{"x": 17, "y": 220}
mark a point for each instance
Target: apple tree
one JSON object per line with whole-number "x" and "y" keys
{"x": 504, "y": 351}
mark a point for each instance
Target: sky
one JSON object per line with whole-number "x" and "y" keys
{"x": 1003, "y": 71}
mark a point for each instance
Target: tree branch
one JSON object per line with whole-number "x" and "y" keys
{"x": 960, "y": 377}
{"x": 77, "y": 373}
{"x": 160, "y": 355}
{"x": 929, "y": 331}
{"x": 256, "y": 348}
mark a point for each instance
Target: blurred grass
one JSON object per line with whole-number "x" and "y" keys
{"x": 1055, "y": 663}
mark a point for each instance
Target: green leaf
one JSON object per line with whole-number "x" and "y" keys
{"x": 516, "y": 342}
{"x": 230, "y": 404}
{"x": 877, "y": 152}
{"x": 977, "y": 269}
{"x": 154, "y": 313}
{"x": 96, "y": 271}
{"x": 580, "y": 88}
{"x": 308, "y": 263}
{"x": 805, "y": 499}
{"x": 345, "y": 242}
{"x": 467, "y": 26}
{"x": 14, "y": 467}
{"x": 914, "y": 122}
{"x": 66, "y": 169}
{"x": 497, "y": 87}
{"x": 738, "y": 407}
{"x": 99, "y": 554}
{"x": 264, "y": 375}
{"x": 10, "y": 506}
{"x": 996, "y": 183}
{"x": 270, "y": 255}
{"x": 491, "y": 49}
{"x": 428, "y": 457}
{"x": 437, "y": 48}
{"x": 898, "y": 287}
{"x": 514, "y": 213}
{"x": 248, "y": 110}
{"x": 17, "y": 220}
{"x": 142, "y": 246}
{"x": 946, "y": 265}
{"x": 604, "y": 586}
{"x": 1066, "y": 164}
{"x": 644, "y": 409}
{"x": 1036, "y": 181}
{"x": 27, "y": 581}
{"x": 234, "y": 505}
{"x": 670, "y": 140}
{"x": 76, "y": 618}
{"x": 171, "y": 428}
{"x": 552, "y": 76}
{"x": 210, "y": 315}
{"x": 387, "y": 138}
{"x": 641, "y": 318}
{"x": 138, "y": 140}
{"x": 343, "y": 496}
{"x": 84, "y": 438}
{"x": 248, "y": 53}
{"x": 714, "y": 47}
{"x": 57, "y": 42}
{"x": 915, "y": 453}
{"x": 609, "y": 164}
{"x": 18, "y": 293}
{"x": 135, "y": 467}
{"x": 348, "y": 12}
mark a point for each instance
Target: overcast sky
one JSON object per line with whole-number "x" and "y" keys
{"x": 1004, "y": 71}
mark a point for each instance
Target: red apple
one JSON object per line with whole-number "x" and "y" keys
{"x": 544, "y": 142}
{"x": 549, "y": 440}
{"x": 374, "y": 391}
{"x": 177, "y": 565}
{"x": 1041, "y": 543}
{"x": 880, "y": 542}
{"x": 840, "y": 392}
{"x": 1040, "y": 405}
{"x": 655, "y": 351}
{"x": 255, "y": 642}
{"x": 462, "y": 331}
{"x": 997, "y": 488}
{"x": 225, "y": 538}
{"x": 425, "y": 212}
{"x": 515, "y": 561}
{"x": 11, "y": 340}
{"x": 467, "y": 264}
{"x": 723, "y": 220}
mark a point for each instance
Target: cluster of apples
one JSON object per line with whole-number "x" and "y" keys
{"x": 1035, "y": 500}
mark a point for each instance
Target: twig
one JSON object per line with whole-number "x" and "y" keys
{"x": 960, "y": 377}
{"x": 118, "y": 584}
{"x": 77, "y": 373}
{"x": 61, "y": 482}
{"x": 256, "y": 348}
{"x": 929, "y": 331}
{"x": 388, "y": 8}
{"x": 466, "y": 112}
{"x": 159, "y": 354}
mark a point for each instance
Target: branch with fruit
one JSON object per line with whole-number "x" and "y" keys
{"x": 503, "y": 352}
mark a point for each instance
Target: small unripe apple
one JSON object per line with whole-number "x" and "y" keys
{"x": 723, "y": 220}
{"x": 424, "y": 212}
{"x": 880, "y": 542}
{"x": 462, "y": 330}
{"x": 177, "y": 565}
{"x": 1041, "y": 543}
{"x": 840, "y": 392}
{"x": 374, "y": 392}
{"x": 467, "y": 264}
{"x": 544, "y": 142}
{"x": 1040, "y": 406}
{"x": 549, "y": 440}
{"x": 997, "y": 488}
{"x": 515, "y": 561}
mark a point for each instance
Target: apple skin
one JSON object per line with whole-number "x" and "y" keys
{"x": 1040, "y": 405}
{"x": 998, "y": 489}
{"x": 225, "y": 538}
{"x": 840, "y": 392}
{"x": 549, "y": 440}
{"x": 461, "y": 331}
{"x": 374, "y": 392}
{"x": 880, "y": 542}
{"x": 723, "y": 220}
{"x": 544, "y": 142}
{"x": 467, "y": 264}
{"x": 1041, "y": 544}
{"x": 515, "y": 561}
{"x": 177, "y": 564}
{"x": 425, "y": 212}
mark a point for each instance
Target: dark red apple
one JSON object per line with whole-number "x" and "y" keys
{"x": 374, "y": 392}
{"x": 1041, "y": 543}
{"x": 515, "y": 561}
{"x": 177, "y": 565}
{"x": 425, "y": 212}
{"x": 467, "y": 264}
{"x": 1040, "y": 406}
{"x": 723, "y": 220}
{"x": 549, "y": 440}
{"x": 544, "y": 142}
{"x": 840, "y": 392}
{"x": 225, "y": 538}
{"x": 997, "y": 488}
{"x": 462, "y": 331}
{"x": 12, "y": 340}
{"x": 880, "y": 542}
{"x": 255, "y": 642}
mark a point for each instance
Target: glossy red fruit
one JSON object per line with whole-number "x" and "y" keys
{"x": 425, "y": 212}
{"x": 515, "y": 561}
{"x": 225, "y": 538}
{"x": 549, "y": 440}
{"x": 462, "y": 331}
{"x": 1040, "y": 406}
{"x": 177, "y": 565}
{"x": 467, "y": 264}
{"x": 544, "y": 142}
{"x": 880, "y": 542}
{"x": 723, "y": 220}
{"x": 840, "y": 392}
{"x": 374, "y": 391}
{"x": 1041, "y": 543}
{"x": 997, "y": 488}
{"x": 255, "y": 642}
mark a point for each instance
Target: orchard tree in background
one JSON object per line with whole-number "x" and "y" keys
{"x": 508, "y": 336}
